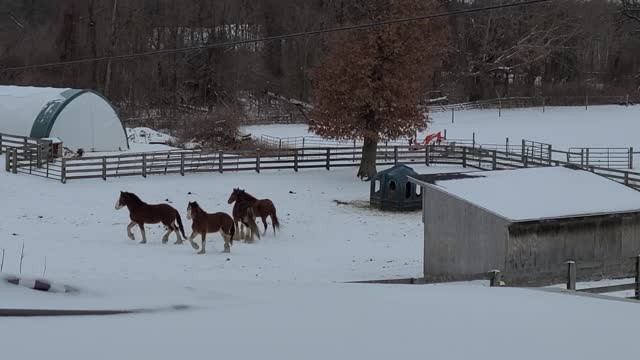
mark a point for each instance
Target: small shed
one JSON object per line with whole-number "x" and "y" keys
{"x": 392, "y": 190}
{"x": 527, "y": 223}
{"x": 81, "y": 119}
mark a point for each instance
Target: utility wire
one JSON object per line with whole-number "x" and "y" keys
{"x": 271, "y": 38}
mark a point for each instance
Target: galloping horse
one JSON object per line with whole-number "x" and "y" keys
{"x": 142, "y": 213}
{"x": 243, "y": 212}
{"x": 204, "y": 223}
{"x": 261, "y": 207}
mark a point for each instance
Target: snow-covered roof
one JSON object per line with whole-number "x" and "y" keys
{"x": 20, "y": 106}
{"x": 541, "y": 193}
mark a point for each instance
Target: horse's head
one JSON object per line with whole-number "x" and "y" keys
{"x": 191, "y": 208}
{"x": 234, "y": 195}
{"x": 122, "y": 200}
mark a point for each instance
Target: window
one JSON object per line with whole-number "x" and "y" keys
{"x": 376, "y": 186}
{"x": 392, "y": 185}
{"x": 418, "y": 191}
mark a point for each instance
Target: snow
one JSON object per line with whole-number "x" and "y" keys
{"x": 284, "y": 296}
{"x": 145, "y": 135}
{"x": 563, "y": 127}
{"x": 20, "y": 106}
{"x": 542, "y": 193}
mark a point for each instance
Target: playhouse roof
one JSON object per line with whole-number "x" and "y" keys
{"x": 538, "y": 193}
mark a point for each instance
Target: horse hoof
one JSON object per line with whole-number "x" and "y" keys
{"x": 178, "y": 243}
{"x": 201, "y": 252}
{"x": 195, "y": 246}
{"x": 132, "y": 237}
{"x": 143, "y": 242}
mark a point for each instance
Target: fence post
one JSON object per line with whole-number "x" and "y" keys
{"x": 453, "y": 116}
{"x": 144, "y": 165}
{"x": 582, "y": 157}
{"x": 586, "y": 102}
{"x": 0, "y": 144}
{"x": 496, "y": 278}
{"x": 295, "y": 160}
{"x": 523, "y": 149}
{"x": 279, "y": 148}
{"x": 631, "y": 158}
{"x": 587, "y": 156}
{"x": 395, "y": 155}
{"x": 637, "y": 292}
{"x": 258, "y": 161}
{"x": 525, "y": 161}
{"x": 182, "y": 164}
{"x": 63, "y": 171}
{"x": 7, "y": 161}
{"x": 571, "y": 275}
{"x": 221, "y": 161}
{"x": 474, "y": 139}
{"x": 426, "y": 155}
{"x": 328, "y": 163}
{"x": 494, "y": 164}
{"x": 14, "y": 161}
{"x": 506, "y": 146}
{"x": 626, "y": 103}
{"x": 550, "y": 154}
{"x": 543, "y": 104}
{"x": 626, "y": 178}
{"x": 464, "y": 156}
{"x": 104, "y": 168}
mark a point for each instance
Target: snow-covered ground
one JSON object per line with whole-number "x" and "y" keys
{"x": 283, "y": 297}
{"x": 563, "y": 127}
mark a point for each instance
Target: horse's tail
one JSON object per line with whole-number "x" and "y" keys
{"x": 252, "y": 222}
{"x": 232, "y": 231}
{"x": 274, "y": 219}
{"x": 179, "y": 221}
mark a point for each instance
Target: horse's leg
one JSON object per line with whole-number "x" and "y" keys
{"x": 227, "y": 242}
{"x": 129, "y": 233}
{"x": 264, "y": 222}
{"x": 176, "y": 229}
{"x": 144, "y": 235}
{"x": 193, "y": 244}
{"x": 204, "y": 243}
{"x": 165, "y": 238}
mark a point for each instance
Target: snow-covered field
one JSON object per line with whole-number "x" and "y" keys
{"x": 283, "y": 297}
{"x": 563, "y": 127}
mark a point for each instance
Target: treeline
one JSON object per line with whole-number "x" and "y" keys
{"x": 561, "y": 48}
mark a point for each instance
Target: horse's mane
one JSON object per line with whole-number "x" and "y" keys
{"x": 245, "y": 196}
{"x": 197, "y": 208}
{"x": 134, "y": 198}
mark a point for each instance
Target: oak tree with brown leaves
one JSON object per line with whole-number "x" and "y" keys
{"x": 371, "y": 83}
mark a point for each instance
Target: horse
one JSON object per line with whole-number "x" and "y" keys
{"x": 142, "y": 213}
{"x": 243, "y": 212}
{"x": 203, "y": 223}
{"x": 261, "y": 207}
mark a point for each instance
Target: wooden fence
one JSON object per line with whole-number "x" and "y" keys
{"x": 8, "y": 141}
{"x": 33, "y": 160}
{"x": 529, "y": 102}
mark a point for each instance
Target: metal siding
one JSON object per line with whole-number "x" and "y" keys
{"x": 460, "y": 239}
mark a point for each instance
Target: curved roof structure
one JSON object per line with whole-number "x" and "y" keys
{"x": 80, "y": 118}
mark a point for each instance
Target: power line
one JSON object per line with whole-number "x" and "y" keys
{"x": 272, "y": 38}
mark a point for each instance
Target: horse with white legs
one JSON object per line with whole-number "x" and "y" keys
{"x": 142, "y": 213}
{"x": 204, "y": 223}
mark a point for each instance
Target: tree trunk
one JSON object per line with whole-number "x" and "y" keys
{"x": 112, "y": 52}
{"x": 368, "y": 163}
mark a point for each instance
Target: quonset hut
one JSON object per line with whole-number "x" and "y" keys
{"x": 81, "y": 119}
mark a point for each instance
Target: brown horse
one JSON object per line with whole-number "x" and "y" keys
{"x": 204, "y": 223}
{"x": 261, "y": 207}
{"x": 142, "y": 213}
{"x": 243, "y": 212}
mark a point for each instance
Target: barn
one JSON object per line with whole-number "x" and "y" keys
{"x": 527, "y": 223}
{"x": 82, "y": 119}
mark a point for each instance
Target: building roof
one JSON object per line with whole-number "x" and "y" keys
{"x": 538, "y": 193}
